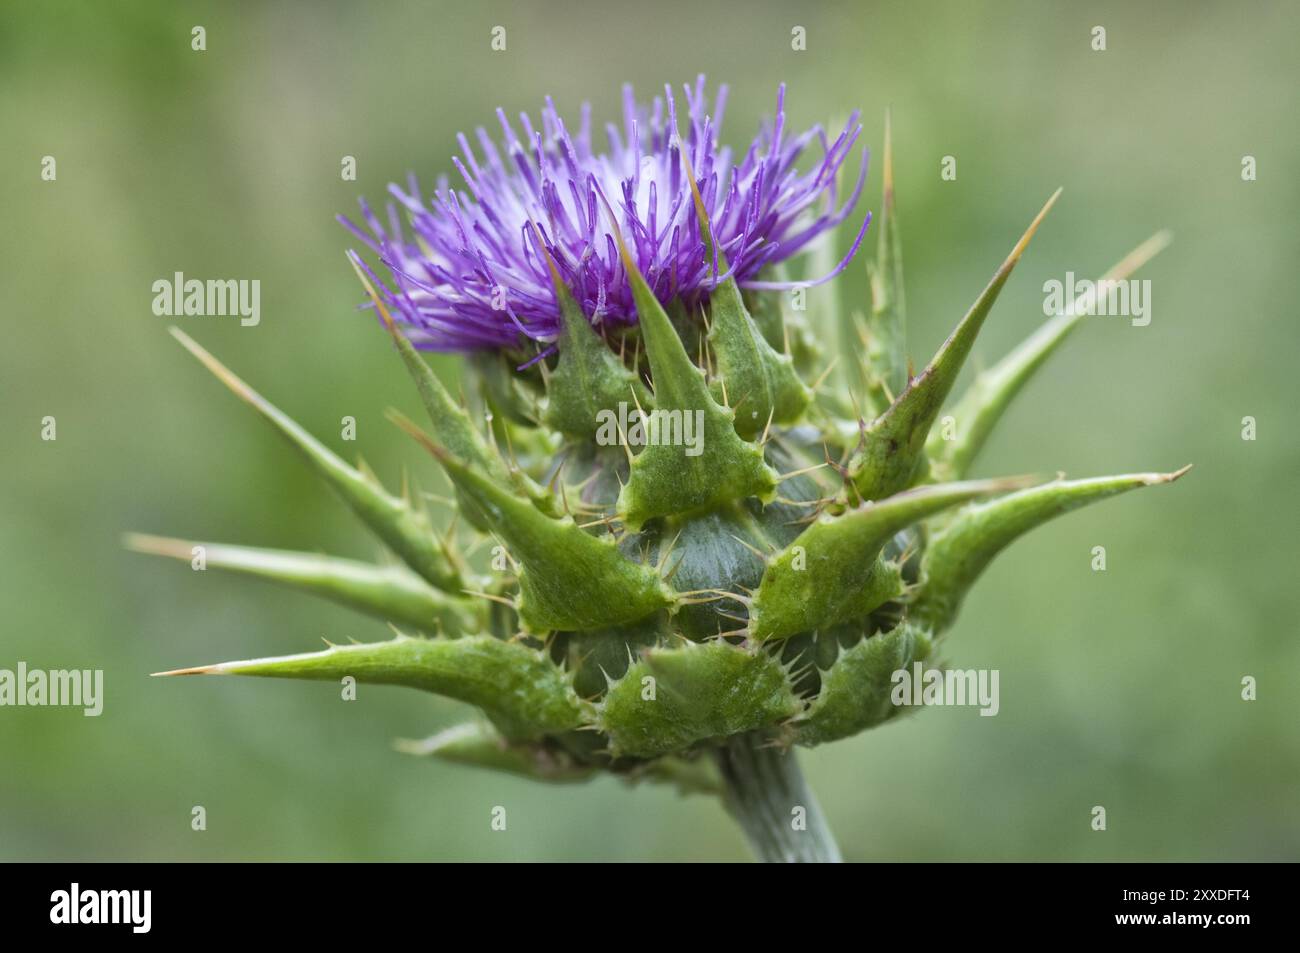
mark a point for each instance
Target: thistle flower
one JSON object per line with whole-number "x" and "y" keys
{"x": 762, "y": 547}
{"x": 473, "y": 272}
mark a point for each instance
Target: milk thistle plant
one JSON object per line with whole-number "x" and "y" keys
{"x": 695, "y": 523}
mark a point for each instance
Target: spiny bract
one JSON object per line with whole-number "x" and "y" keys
{"x": 701, "y": 549}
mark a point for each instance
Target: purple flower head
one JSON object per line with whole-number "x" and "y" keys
{"x": 471, "y": 275}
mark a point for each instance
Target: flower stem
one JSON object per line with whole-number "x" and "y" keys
{"x": 764, "y": 790}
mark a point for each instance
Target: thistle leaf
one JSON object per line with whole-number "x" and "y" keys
{"x": 388, "y": 592}
{"x": 800, "y": 601}
{"x": 402, "y": 527}
{"x": 480, "y": 746}
{"x": 840, "y": 324}
{"x": 675, "y": 697}
{"x": 855, "y": 690}
{"x": 885, "y": 341}
{"x": 893, "y": 443}
{"x": 761, "y": 385}
{"x": 520, "y": 690}
{"x": 832, "y": 572}
{"x": 957, "y": 554}
{"x": 588, "y": 377}
{"x": 450, "y": 422}
{"x": 569, "y": 580}
{"x": 677, "y": 476}
{"x": 982, "y": 406}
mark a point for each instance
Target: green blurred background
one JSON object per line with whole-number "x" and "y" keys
{"x": 1119, "y": 689}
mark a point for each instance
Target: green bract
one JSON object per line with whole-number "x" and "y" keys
{"x": 686, "y": 607}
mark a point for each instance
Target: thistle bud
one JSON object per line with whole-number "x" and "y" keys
{"x": 705, "y": 551}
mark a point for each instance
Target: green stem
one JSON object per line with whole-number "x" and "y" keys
{"x": 764, "y": 790}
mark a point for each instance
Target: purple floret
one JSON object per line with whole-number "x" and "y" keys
{"x": 466, "y": 269}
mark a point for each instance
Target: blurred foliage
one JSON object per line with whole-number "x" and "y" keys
{"x": 1118, "y": 688}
